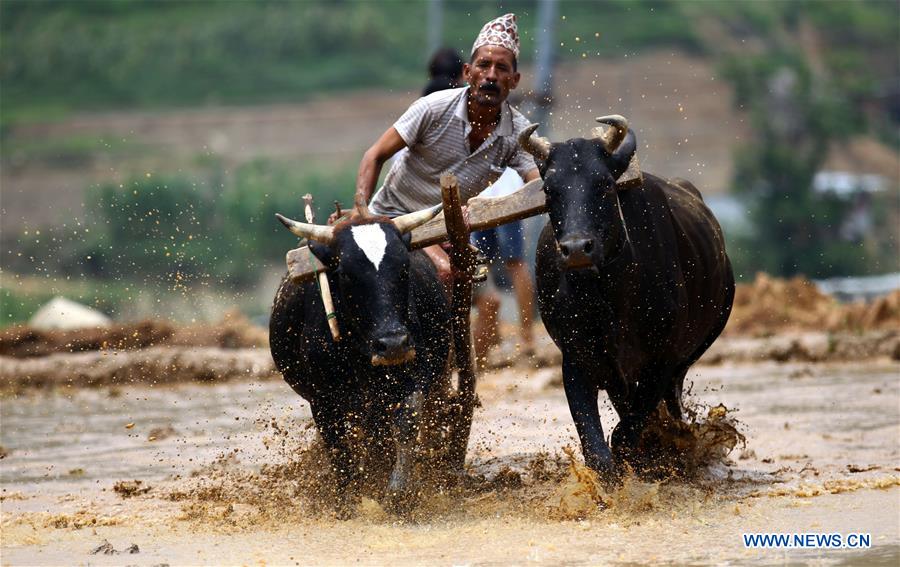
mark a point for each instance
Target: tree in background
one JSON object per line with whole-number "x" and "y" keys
{"x": 800, "y": 105}
{"x": 776, "y": 171}
{"x": 808, "y": 73}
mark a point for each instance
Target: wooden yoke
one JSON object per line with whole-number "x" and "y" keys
{"x": 484, "y": 213}
{"x": 462, "y": 263}
{"x": 324, "y": 287}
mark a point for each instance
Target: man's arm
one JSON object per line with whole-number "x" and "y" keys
{"x": 372, "y": 161}
{"x": 532, "y": 175}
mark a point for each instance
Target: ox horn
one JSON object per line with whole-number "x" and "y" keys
{"x": 317, "y": 232}
{"x": 611, "y": 137}
{"x": 409, "y": 221}
{"x": 535, "y": 145}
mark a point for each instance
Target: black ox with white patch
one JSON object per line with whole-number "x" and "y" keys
{"x": 366, "y": 390}
{"x": 633, "y": 286}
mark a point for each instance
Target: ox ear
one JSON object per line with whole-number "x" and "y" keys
{"x": 620, "y": 159}
{"x": 324, "y": 253}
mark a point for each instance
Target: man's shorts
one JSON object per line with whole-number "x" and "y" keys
{"x": 500, "y": 245}
{"x": 504, "y": 243}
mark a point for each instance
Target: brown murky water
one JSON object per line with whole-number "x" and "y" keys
{"x": 225, "y": 479}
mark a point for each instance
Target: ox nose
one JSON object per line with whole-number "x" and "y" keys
{"x": 577, "y": 251}
{"x": 393, "y": 345}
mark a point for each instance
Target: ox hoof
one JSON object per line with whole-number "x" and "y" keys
{"x": 626, "y": 439}
{"x": 610, "y": 474}
{"x": 345, "y": 508}
{"x": 461, "y": 479}
{"x": 400, "y": 502}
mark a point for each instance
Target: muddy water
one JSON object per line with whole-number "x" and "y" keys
{"x": 225, "y": 478}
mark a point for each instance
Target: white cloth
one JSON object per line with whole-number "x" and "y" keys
{"x": 509, "y": 182}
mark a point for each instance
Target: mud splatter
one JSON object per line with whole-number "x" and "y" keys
{"x": 835, "y": 486}
{"x": 130, "y": 488}
{"x": 297, "y": 484}
{"x": 244, "y": 478}
{"x": 692, "y": 446}
{"x": 78, "y": 520}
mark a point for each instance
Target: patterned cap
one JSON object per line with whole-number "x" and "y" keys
{"x": 501, "y": 31}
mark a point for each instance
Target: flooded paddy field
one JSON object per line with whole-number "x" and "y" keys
{"x": 229, "y": 473}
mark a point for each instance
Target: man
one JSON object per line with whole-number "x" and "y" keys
{"x": 502, "y": 244}
{"x": 470, "y": 131}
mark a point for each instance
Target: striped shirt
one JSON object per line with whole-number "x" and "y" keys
{"x": 436, "y": 129}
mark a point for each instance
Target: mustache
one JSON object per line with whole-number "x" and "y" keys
{"x": 489, "y": 87}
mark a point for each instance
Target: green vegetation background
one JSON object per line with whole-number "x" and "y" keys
{"x": 210, "y": 227}
{"x": 101, "y": 54}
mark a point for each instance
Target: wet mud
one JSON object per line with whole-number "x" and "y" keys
{"x": 233, "y": 473}
{"x": 763, "y": 308}
{"x": 772, "y": 305}
{"x": 232, "y": 332}
{"x": 172, "y": 364}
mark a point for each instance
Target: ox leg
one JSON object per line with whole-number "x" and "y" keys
{"x": 581, "y": 393}
{"x": 626, "y": 437}
{"x": 653, "y": 386}
{"x": 406, "y": 432}
{"x": 335, "y": 429}
{"x": 673, "y": 395}
{"x": 379, "y": 446}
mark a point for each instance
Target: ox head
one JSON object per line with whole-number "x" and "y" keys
{"x": 370, "y": 258}
{"x": 580, "y": 183}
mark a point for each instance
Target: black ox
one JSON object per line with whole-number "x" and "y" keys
{"x": 633, "y": 286}
{"x": 366, "y": 390}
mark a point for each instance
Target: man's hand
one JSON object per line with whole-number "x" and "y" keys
{"x": 352, "y": 214}
{"x": 442, "y": 264}
{"x": 532, "y": 175}
{"x": 333, "y": 217}
{"x": 465, "y": 216}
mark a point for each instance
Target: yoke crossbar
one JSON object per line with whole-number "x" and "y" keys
{"x": 484, "y": 213}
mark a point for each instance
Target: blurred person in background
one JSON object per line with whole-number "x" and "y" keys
{"x": 445, "y": 71}
{"x": 505, "y": 244}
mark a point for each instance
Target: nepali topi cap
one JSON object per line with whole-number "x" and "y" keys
{"x": 501, "y": 31}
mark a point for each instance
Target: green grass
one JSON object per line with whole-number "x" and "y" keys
{"x": 70, "y": 151}
{"x": 100, "y": 54}
{"x": 21, "y": 297}
{"x": 60, "y": 56}
{"x": 212, "y": 228}
{"x": 126, "y": 301}
{"x": 16, "y": 307}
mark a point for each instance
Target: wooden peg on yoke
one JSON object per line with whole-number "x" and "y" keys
{"x": 324, "y": 288}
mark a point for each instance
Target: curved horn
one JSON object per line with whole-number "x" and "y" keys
{"x": 611, "y": 137}
{"x": 317, "y": 232}
{"x": 409, "y": 221}
{"x": 535, "y": 145}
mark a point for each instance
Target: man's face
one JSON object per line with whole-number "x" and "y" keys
{"x": 490, "y": 75}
